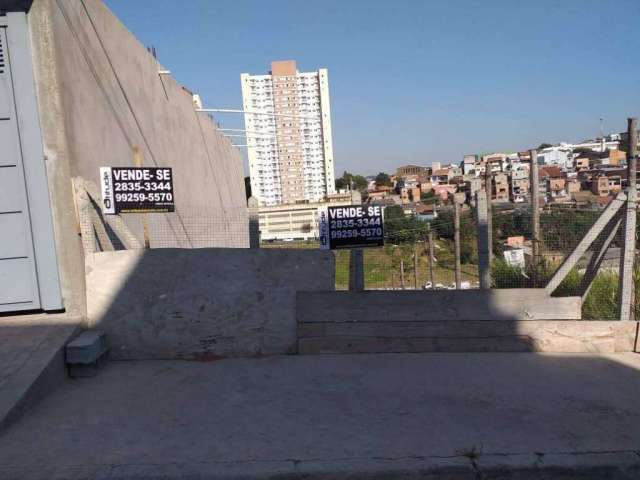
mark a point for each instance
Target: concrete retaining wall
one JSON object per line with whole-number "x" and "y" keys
{"x": 561, "y": 336}
{"x": 101, "y": 93}
{"x": 509, "y": 320}
{"x": 385, "y": 306}
{"x": 175, "y": 303}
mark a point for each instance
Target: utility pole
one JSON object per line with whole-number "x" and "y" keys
{"x": 456, "y": 239}
{"x": 535, "y": 216}
{"x": 402, "y": 274}
{"x": 626, "y": 285}
{"x": 356, "y": 270}
{"x": 488, "y": 176}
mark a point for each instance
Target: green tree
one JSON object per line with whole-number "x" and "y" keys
{"x": 429, "y": 197}
{"x": 351, "y": 181}
{"x": 393, "y": 212}
{"x": 344, "y": 182}
{"x": 444, "y": 228}
{"x": 400, "y": 229}
{"x": 360, "y": 183}
{"x": 583, "y": 151}
{"x": 383, "y": 180}
{"x": 624, "y": 141}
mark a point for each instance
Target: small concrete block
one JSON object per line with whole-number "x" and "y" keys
{"x": 83, "y": 370}
{"x": 86, "y": 348}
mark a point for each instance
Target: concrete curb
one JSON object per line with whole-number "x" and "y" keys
{"x": 560, "y": 466}
{"x": 542, "y": 466}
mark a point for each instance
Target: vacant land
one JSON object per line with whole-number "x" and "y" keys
{"x": 392, "y": 266}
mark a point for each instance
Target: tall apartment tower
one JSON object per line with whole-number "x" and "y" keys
{"x": 289, "y": 136}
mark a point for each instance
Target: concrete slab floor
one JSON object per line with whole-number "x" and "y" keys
{"x": 21, "y": 335}
{"x": 338, "y": 416}
{"x": 29, "y": 348}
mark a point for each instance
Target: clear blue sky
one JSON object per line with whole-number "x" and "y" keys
{"x": 415, "y": 81}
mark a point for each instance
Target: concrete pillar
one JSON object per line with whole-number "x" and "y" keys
{"x": 484, "y": 239}
{"x": 456, "y": 241}
{"x": 431, "y": 257}
{"x": 254, "y": 223}
{"x": 488, "y": 175}
{"x": 626, "y": 285}
{"x": 356, "y": 270}
{"x": 415, "y": 266}
{"x": 535, "y": 215}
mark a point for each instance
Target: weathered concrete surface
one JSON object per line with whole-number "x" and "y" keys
{"x": 31, "y": 360}
{"x": 407, "y": 306}
{"x": 100, "y": 93}
{"x": 173, "y": 303}
{"x": 57, "y": 160}
{"x": 564, "y": 336}
{"x": 460, "y": 416}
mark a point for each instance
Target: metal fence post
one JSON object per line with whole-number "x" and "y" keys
{"x": 356, "y": 270}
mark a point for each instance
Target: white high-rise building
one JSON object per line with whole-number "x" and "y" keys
{"x": 288, "y": 122}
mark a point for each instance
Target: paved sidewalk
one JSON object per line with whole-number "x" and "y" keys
{"x": 344, "y": 416}
{"x": 31, "y": 363}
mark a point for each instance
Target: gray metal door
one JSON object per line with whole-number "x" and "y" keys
{"x": 28, "y": 262}
{"x": 18, "y": 279}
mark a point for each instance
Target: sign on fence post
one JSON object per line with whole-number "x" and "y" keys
{"x": 350, "y": 227}
{"x": 136, "y": 189}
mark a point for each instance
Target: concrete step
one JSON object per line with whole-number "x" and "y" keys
{"x": 411, "y": 305}
{"x": 31, "y": 360}
{"x": 566, "y": 336}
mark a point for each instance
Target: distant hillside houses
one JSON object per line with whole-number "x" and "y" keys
{"x": 588, "y": 173}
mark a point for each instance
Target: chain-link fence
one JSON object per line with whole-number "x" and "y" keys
{"x": 192, "y": 227}
{"x": 421, "y": 255}
{"x": 418, "y": 254}
{"x": 562, "y": 228}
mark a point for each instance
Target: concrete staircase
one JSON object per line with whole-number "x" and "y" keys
{"x": 516, "y": 320}
{"x": 32, "y": 360}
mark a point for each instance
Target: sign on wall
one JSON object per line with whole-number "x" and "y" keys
{"x": 350, "y": 227}
{"x": 515, "y": 257}
{"x": 136, "y": 189}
